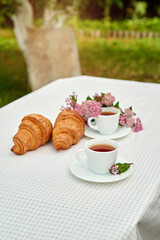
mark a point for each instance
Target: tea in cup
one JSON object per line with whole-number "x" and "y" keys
{"x": 106, "y": 122}
{"x": 98, "y": 155}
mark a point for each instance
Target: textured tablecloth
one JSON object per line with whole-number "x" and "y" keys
{"x": 40, "y": 199}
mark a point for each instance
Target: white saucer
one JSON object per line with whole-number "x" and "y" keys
{"x": 121, "y": 132}
{"x": 84, "y": 173}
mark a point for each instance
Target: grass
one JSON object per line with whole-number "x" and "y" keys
{"x": 122, "y": 59}
{"x": 13, "y": 72}
{"x": 138, "y": 24}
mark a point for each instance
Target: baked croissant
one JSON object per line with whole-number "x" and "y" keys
{"x": 34, "y": 131}
{"x": 68, "y": 129}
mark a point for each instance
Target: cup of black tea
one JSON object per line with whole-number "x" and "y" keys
{"x": 107, "y": 122}
{"x": 98, "y": 155}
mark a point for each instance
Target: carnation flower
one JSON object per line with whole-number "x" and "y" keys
{"x": 70, "y": 102}
{"x": 138, "y": 125}
{"x": 127, "y": 118}
{"x": 96, "y": 95}
{"x": 107, "y": 99}
{"x": 128, "y": 113}
{"x": 130, "y": 121}
{"x": 89, "y": 108}
{"x": 122, "y": 120}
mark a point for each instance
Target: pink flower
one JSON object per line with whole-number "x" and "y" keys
{"x": 96, "y": 95}
{"x": 130, "y": 121}
{"x": 89, "y": 108}
{"x": 127, "y": 118}
{"x": 122, "y": 120}
{"x": 70, "y": 102}
{"x": 128, "y": 113}
{"x": 107, "y": 99}
{"x": 138, "y": 125}
{"x": 62, "y": 108}
{"x": 114, "y": 169}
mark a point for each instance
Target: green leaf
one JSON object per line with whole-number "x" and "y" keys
{"x": 130, "y": 108}
{"x": 88, "y": 98}
{"x": 116, "y": 105}
{"x": 102, "y": 94}
{"x": 123, "y": 167}
{"x": 73, "y": 99}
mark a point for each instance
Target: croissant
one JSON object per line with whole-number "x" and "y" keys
{"x": 68, "y": 129}
{"x": 34, "y": 131}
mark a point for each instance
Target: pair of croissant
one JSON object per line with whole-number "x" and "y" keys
{"x": 36, "y": 130}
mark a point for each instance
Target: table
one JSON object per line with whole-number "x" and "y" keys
{"x": 40, "y": 199}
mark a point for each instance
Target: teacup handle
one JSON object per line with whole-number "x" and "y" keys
{"x": 82, "y": 157}
{"x": 90, "y": 123}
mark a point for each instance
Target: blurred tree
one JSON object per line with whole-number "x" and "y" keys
{"x": 97, "y": 9}
{"x": 140, "y": 9}
{"x": 107, "y": 7}
{"x": 158, "y": 10}
{"x": 7, "y": 9}
{"x": 152, "y": 7}
{"x": 47, "y": 55}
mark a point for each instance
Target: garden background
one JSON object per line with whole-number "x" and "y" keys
{"x": 115, "y": 39}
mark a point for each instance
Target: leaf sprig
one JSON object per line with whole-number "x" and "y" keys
{"x": 119, "y": 168}
{"x": 123, "y": 167}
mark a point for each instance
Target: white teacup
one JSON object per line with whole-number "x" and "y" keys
{"x": 105, "y": 124}
{"x": 97, "y": 161}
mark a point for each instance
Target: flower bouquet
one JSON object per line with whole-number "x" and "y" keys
{"x": 92, "y": 107}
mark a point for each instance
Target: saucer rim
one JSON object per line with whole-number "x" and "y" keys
{"x": 101, "y": 177}
{"x": 87, "y": 128}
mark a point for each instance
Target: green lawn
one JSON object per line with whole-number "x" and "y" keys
{"x": 122, "y": 59}
{"x": 13, "y": 73}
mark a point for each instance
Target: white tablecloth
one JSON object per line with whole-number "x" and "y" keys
{"x": 40, "y": 199}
